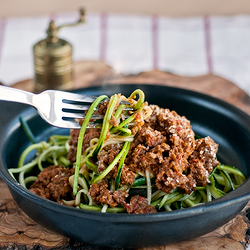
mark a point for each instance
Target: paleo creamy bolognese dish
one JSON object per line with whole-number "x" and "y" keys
{"x": 138, "y": 158}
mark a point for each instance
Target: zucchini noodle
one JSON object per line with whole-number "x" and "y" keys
{"x": 54, "y": 151}
{"x": 101, "y": 181}
{"x": 80, "y": 140}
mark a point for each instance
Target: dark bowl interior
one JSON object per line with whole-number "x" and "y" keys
{"x": 227, "y": 125}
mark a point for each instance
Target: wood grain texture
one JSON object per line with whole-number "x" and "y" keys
{"x": 18, "y": 231}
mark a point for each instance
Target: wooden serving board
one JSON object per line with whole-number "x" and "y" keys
{"x": 18, "y": 231}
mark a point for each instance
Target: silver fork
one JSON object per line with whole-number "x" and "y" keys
{"x": 56, "y": 107}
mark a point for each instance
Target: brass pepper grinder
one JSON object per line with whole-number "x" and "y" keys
{"x": 53, "y": 61}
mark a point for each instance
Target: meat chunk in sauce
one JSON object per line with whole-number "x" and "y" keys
{"x": 102, "y": 195}
{"x": 53, "y": 183}
{"x": 139, "y": 205}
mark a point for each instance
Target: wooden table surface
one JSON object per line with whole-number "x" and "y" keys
{"x": 18, "y": 231}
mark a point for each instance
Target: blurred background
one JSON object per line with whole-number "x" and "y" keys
{"x": 184, "y": 37}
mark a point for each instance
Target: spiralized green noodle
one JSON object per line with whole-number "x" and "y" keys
{"x": 80, "y": 140}
{"x": 223, "y": 178}
{"x": 54, "y": 151}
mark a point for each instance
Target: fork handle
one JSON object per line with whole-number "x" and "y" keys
{"x": 15, "y": 95}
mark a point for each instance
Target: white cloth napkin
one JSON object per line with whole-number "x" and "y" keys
{"x": 187, "y": 46}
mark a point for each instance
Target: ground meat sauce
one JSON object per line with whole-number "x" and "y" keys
{"x": 107, "y": 155}
{"x": 203, "y": 160}
{"x": 165, "y": 146}
{"x": 53, "y": 183}
{"x": 139, "y": 205}
{"x": 102, "y": 195}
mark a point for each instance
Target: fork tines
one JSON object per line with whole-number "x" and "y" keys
{"x": 75, "y": 108}
{"x": 78, "y": 98}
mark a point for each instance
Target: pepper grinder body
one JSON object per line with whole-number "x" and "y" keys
{"x": 53, "y": 63}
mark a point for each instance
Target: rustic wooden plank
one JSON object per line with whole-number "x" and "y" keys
{"x": 17, "y": 230}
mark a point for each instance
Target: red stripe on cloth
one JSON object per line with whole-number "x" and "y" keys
{"x": 208, "y": 44}
{"x": 155, "y": 46}
{"x": 2, "y": 33}
{"x": 103, "y": 42}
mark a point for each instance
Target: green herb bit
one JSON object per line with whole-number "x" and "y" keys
{"x": 140, "y": 181}
{"x": 197, "y": 137}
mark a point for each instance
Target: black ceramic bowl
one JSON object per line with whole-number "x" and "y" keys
{"x": 227, "y": 125}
